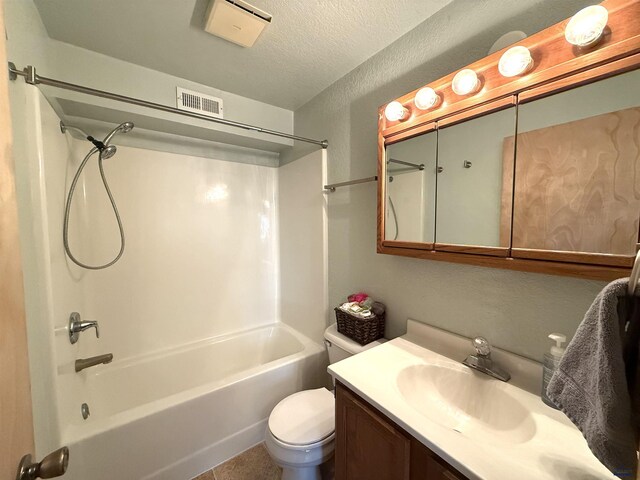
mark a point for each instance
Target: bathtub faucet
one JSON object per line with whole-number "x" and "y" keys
{"x": 83, "y": 363}
{"x": 76, "y": 325}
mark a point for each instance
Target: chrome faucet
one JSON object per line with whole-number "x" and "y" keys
{"x": 482, "y": 362}
{"x": 76, "y": 325}
{"x": 83, "y": 363}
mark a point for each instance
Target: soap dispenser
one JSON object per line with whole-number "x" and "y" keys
{"x": 551, "y": 362}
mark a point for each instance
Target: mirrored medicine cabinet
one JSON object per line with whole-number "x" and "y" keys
{"x": 544, "y": 178}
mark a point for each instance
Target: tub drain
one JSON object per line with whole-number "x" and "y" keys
{"x": 85, "y": 411}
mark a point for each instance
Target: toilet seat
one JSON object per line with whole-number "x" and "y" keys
{"x": 304, "y": 419}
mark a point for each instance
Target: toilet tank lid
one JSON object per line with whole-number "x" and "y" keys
{"x": 304, "y": 418}
{"x": 345, "y": 343}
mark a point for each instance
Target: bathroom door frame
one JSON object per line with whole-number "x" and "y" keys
{"x": 16, "y": 421}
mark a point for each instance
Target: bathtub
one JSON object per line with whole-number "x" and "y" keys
{"x": 176, "y": 413}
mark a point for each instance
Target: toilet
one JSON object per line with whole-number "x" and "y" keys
{"x": 301, "y": 431}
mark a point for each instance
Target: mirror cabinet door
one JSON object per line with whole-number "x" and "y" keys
{"x": 410, "y": 167}
{"x": 475, "y": 181}
{"x": 577, "y": 175}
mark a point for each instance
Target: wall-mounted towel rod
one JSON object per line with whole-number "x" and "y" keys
{"x": 32, "y": 78}
{"x": 402, "y": 162}
{"x": 333, "y": 186}
{"x": 635, "y": 275}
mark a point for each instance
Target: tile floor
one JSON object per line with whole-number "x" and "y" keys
{"x": 253, "y": 464}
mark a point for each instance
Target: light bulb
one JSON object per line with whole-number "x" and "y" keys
{"x": 465, "y": 82}
{"x": 515, "y": 61}
{"x": 585, "y": 27}
{"x": 427, "y": 98}
{"x": 395, "y": 111}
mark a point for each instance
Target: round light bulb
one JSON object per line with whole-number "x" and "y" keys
{"x": 426, "y": 98}
{"x": 585, "y": 27}
{"x": 465, "y": 82}
{"x": 395, "y": 111}
{"x": 515, "y": 61}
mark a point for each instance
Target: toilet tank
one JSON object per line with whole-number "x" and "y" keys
{"x": 341, "y": 347}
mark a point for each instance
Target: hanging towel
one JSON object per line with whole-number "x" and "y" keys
{"x": 590, "y": 384}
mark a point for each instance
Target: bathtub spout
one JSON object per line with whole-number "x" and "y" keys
{"x": 83, "y": 363}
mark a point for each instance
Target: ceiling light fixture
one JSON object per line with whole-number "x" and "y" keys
{"x": 515, "y": 61}
{"x": 585, "y": 27}
{"x": 427, "y": 98}
{"x": 465, "y": 82}
{"x": 395, "y": 111}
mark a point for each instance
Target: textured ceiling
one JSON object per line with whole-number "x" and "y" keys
{"x": 308, "y": 46}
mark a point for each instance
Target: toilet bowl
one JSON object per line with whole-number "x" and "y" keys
{"x": 300, "y": 434}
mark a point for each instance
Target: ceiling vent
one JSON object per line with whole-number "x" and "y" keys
{"x": 199, "y": 103}
{"x": 236, "y": 21}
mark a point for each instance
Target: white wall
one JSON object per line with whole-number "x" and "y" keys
{"x": 514, "y": 310}
{"x": 303, "y": 244}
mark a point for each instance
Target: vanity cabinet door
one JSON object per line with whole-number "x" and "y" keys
{"x": 426, "y": 466}
{"x": 368, "y": 447}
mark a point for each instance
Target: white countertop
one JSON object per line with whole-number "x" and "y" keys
{"x": 552, "y": 448}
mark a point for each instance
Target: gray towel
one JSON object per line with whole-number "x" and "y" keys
{"x": 590, "y": 386}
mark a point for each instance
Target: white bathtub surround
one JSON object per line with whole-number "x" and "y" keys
{"x": 485, "y": 428}
{"x": 303, "y": 245}
{"x": 190, "y": 312}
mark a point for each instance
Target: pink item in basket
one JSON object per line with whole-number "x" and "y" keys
{"x": 358, "y": 297}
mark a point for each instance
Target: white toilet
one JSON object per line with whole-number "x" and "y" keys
{"x": 301, "y": 431}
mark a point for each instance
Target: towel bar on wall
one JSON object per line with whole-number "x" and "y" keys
{"x": 332, "y": 187}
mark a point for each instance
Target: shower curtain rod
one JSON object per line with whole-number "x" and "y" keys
{"x": 32, "y": 78}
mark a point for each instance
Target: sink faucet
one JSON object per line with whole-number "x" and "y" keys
{"x": 482, "y": 360}
{"x": 83, "y": 363}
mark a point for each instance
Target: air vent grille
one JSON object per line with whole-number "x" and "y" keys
{"x": 199, "y": 103}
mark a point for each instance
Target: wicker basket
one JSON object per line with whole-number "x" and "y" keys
{"x": 362, "y": 330}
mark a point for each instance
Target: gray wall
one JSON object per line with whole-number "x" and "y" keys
{"x": 514, "y": 310}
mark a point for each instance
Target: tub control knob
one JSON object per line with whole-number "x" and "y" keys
{"x": 51, "y": 466}
{"x": 76, "y": 325}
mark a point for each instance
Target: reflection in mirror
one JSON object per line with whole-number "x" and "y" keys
{"x": 577, "y": 184}
{"x": 475, "y": 180}
{"x": 411, "y": 189}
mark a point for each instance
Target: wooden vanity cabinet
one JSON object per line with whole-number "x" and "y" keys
{"x": 369, "y": 446}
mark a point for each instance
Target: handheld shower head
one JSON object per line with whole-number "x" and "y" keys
{"x": 125, "y": 127}
{"x": 108, "y": 151}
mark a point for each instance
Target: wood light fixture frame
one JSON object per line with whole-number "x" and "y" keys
{"x": 557, "y": 66}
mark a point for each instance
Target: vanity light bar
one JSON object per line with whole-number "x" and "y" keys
{"x": 585, "y": 29}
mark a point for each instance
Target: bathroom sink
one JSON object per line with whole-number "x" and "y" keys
{"x": 468, "y": 402}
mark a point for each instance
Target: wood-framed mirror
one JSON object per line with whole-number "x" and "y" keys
{"x": 538, "y": 172}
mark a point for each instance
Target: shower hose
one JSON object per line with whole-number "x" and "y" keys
{"x": 65, "y": 235}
